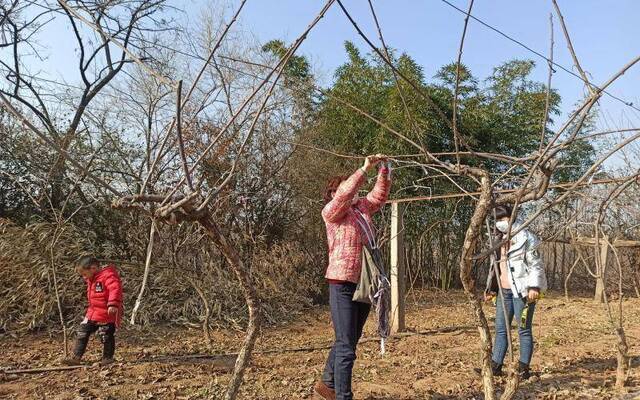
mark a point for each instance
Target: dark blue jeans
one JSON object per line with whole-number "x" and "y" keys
{"x": 515, "y": 305}
{"x": 348, "y": 319}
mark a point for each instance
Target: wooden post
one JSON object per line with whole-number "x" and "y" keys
{"x": 397, "y": 269}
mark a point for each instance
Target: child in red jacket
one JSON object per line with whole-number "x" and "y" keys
{"x": 104, "y": 292}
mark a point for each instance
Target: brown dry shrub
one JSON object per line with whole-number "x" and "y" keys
{"x": 286, "y": 280}
{"x": 27, "y": 256}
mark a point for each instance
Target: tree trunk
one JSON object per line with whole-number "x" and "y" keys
{"x": 563, "y": 261}
{"x": 566, "y": 280}
{"x": 145, "y": 275}
{"x": 598, "y": 297}
{"x": 58, "y": 171}
{"x": 511, "y": 388}
{"x": 207, "y": 310}
{"x": 636, "y": 280}
{"x": 466, "y": 268}
{"x": 555, "y": 266}
{"x": 485, "y": 346}
{"x": 601, "y": 267}
{"x": 622, "y": 358}
{"x": 251, "y": 298}
{"x": 52, "y": 246}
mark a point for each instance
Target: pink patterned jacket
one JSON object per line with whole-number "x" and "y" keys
{"x": 343, "y": 232}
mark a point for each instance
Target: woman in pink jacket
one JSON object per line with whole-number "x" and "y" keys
{"x": 340, "y": 214}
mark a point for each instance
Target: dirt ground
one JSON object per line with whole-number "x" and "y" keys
{"x": 574, "y": 358}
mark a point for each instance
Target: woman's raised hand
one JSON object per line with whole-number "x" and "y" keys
{"x": 371, "y": 161}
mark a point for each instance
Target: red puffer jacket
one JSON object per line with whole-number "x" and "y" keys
{"x": 104, "y": 290}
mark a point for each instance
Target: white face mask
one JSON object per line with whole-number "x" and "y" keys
{"x": 502, "y": 226}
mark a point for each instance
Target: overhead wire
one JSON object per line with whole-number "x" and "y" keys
{"x": 537, "y": 53}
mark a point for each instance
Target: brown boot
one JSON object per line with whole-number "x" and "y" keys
{"x": 73, "y": 361}
{"x": 324, "y": 391}
{"x": 106, "y": 361}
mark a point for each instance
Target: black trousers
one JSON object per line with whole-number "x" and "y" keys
{"x": 106, "y": 333}
{"x": 348, "y": 318}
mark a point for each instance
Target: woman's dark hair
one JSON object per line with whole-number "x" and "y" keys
{"x": 332, "y": 186}
{"x": 86, "y": 262}
{"x": 503, "y": 211}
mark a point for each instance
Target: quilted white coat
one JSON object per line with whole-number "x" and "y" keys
{"x": 525, "y": 267}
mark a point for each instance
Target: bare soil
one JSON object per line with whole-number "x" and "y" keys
{"x": 574, "y": 358}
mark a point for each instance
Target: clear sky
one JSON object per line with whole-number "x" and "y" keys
{"x": 605, "y": 34}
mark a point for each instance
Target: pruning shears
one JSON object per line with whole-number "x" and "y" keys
{"x": 525, "y": 311}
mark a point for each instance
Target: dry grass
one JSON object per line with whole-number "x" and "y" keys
{"x": 286, "y": 280}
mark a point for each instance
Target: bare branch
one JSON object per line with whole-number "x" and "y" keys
{"x": 185, "y": 167}
{"x": 81, "y": 168}
{"x": 545, "y": 117}
{"x": 572, "y": 51}
{"x": 454, "y": 119}
{"x": 123, "y": 47}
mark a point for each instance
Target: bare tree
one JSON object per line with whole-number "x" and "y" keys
{"x": 196, "y": 204}
{"x": 196, "y": 140}
{"x": 98, "y": 64}
{"x": 533, "y": 185}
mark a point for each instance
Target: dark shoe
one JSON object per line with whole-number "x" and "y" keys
{"x": 324, "y": 391}
{"x": 495, "y": 368}
{"x": 106, "y": 361}
{"x": 73, "y": 361}
{"x": 523, "y": 370}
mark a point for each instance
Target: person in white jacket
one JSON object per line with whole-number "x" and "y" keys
{"x": 520, "y": 277}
